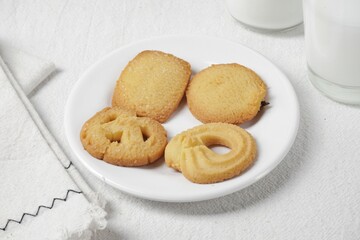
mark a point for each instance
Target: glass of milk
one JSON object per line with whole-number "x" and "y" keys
{"x": 267, "y": 15}
{"x": 332, "y": 38}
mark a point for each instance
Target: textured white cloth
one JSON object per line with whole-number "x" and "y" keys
{"x": 28, "y": 70}
{"x": 314, "y": 192}
{"x": 40, "y": 188}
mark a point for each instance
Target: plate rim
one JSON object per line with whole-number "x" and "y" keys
{"x": 206, "y": 196}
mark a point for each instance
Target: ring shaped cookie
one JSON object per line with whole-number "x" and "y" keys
{"x": 189, "y": 152}
{"x": 120, "y": 138}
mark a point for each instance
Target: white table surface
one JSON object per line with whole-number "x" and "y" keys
{"x": 313, "y": 194}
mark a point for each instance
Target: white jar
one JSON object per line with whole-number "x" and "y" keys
{"x": 332, "y": 39}
{"x": 270, "y": 15}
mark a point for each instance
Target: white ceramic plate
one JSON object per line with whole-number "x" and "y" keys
{"x": 274, "y": 129}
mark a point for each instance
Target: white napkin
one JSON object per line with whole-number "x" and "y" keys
{"x": 28, "y": 70}
{"x": 42, "y": 194}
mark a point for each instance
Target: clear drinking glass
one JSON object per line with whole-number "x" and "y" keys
{"x": 332, "y": 38}
{"x": 267, "y": 15}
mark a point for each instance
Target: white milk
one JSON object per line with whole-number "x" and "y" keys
{"x": 332, "y": 32}
{"x": 267, "y": 14}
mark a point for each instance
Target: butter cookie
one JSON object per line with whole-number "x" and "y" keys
{"x": 152, "y": 84}
{"x": 229, "y": 93}
{"x": 189, "y": 152}
{"x": 119, "y": 137}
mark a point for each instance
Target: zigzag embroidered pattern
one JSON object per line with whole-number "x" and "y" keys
{"x": 68, "y": 166}
{"x": 41, "y": 206}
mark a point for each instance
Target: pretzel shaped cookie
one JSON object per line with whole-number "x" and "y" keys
{"x": 120, "y": 138}
{"x": 188, "y": 152}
